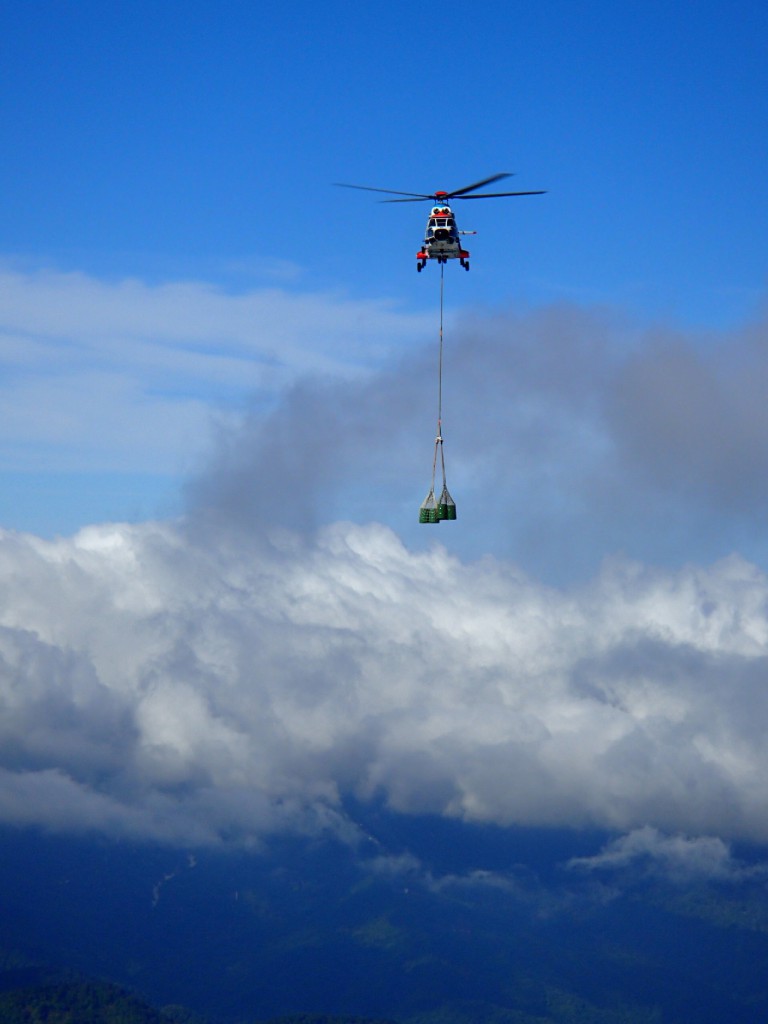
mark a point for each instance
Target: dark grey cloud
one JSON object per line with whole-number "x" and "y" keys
{"x": 692, "y": 418}
{"x": 569, "y": 434}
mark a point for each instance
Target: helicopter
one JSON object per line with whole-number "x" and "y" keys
{"x": 442, "y": 239}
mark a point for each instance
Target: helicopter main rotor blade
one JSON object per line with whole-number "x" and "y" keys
{"x": 498, "y": 195}
{"x": 483, "y": 195}
{"x": 478, "y": 184}
{"x": 459, "y": 193}
{"x": 420, "y": 199}
{"x": 392, "y": 192}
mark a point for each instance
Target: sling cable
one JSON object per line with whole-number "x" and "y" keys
{"x": 434, "y": 509}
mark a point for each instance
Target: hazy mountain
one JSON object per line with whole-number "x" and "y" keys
{"x": 78, "y": 1002}
{"x": 425, "y": 920}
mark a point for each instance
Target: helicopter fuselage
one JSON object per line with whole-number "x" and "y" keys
{"x": 441, "y": 239}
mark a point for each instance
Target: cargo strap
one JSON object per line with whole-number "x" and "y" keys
{"x": 439, "y": 438}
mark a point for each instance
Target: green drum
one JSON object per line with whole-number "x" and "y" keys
{"x": 446, "y": 507}
{"x": 428, "y": 510}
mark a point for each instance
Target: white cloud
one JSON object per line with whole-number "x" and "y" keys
{"x": 125, "y": 375}
{"x": 219, "y": 690}
{"x": 676, "y": 858}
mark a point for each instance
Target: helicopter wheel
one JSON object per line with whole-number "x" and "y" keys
{"x": 419, "y": 267}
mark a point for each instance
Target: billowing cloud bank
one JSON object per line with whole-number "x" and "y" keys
{"x": 157, "y": 686}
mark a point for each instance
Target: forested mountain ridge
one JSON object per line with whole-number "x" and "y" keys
{"x": 313, "y": 933}
{"x": 76, "y": 1002}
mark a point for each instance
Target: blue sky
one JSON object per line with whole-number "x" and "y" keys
{"x": 172, "y": 139}
{"x": 158, "y": 146}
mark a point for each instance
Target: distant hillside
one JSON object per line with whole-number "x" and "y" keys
{"x": 87, "y": 1002}
{"x": 434, "y": 923}
{"x": 76, "y": 1003}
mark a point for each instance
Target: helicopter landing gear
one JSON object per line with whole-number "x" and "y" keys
{"x": 465, "y": 264}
